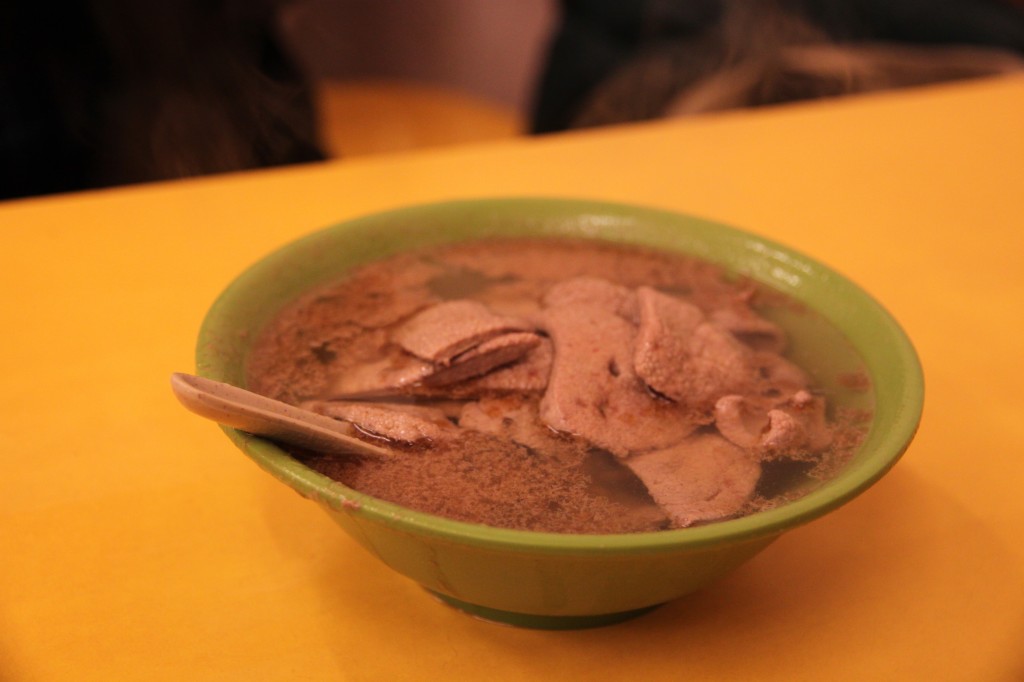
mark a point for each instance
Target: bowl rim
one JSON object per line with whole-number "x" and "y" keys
{"x": 778, "y": 266}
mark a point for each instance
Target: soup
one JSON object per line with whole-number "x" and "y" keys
{"x": 569, "y": 386}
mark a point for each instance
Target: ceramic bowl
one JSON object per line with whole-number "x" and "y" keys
{"x": 554, "y": 580}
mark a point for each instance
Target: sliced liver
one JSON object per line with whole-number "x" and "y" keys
{"x": 442, "y": 345}
{"x": 777, "y": 377}
{"x": 516, "y": 419}
{"x": 529, "y": 374}
{"x": 441, "y": 332}
{"x": 395, "y": 374}
{"x": 741, "y": 421}
{"x": 405, "y": 423}
{"x": 750, "y": 328}
{"x": 798, "y": 426}
{"x": 594, "y": 291}
{"x": 492, "y": 353}
{"x": 508, "y": 363}
{"x": 682, "y": 356}
{"x": 703, "y": 478}
{"x": 791, "y": 427}
{"x": 593, "y": 391}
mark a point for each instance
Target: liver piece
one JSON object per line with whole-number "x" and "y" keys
{"x": 516, "y": 419}
{"x": 593, "y": 391}
{"x": 703, "y": 478}
{"x": 529, "y": 374}
{"x": 794, "y": 426}
{"x": 682, "y": 356}
{"x": 405, "y": 423}
{"x": 441, "y": 332}
{"x": 750, "y": 328}
{"x": 494, "y": 352}
{"x": 594, "y": 291}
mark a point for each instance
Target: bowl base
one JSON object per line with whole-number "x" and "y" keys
{"x": 541, "y": 622}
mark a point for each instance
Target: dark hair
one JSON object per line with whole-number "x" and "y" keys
{"x": 104, "y": 92}
{"x": 674, "y": 57}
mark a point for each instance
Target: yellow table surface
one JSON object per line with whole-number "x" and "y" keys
{"x": 137, "y": 543}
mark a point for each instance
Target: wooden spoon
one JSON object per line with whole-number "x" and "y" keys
{"x": 262, "y": 416}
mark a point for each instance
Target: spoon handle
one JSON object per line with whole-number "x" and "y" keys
{"x": 262, "y": 416}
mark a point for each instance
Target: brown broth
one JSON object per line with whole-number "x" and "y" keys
{"x": 568, "y": 484}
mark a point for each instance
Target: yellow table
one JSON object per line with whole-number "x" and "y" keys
{"x": 136, "y": 543}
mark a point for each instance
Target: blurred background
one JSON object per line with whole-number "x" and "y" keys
{"x": 98, "y": 93}
{"x": 411, "y": 73}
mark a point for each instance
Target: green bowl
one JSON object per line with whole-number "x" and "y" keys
{"x": 552, "y": 580}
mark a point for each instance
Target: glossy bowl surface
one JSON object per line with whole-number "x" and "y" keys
{"x": 544, "y": 579}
